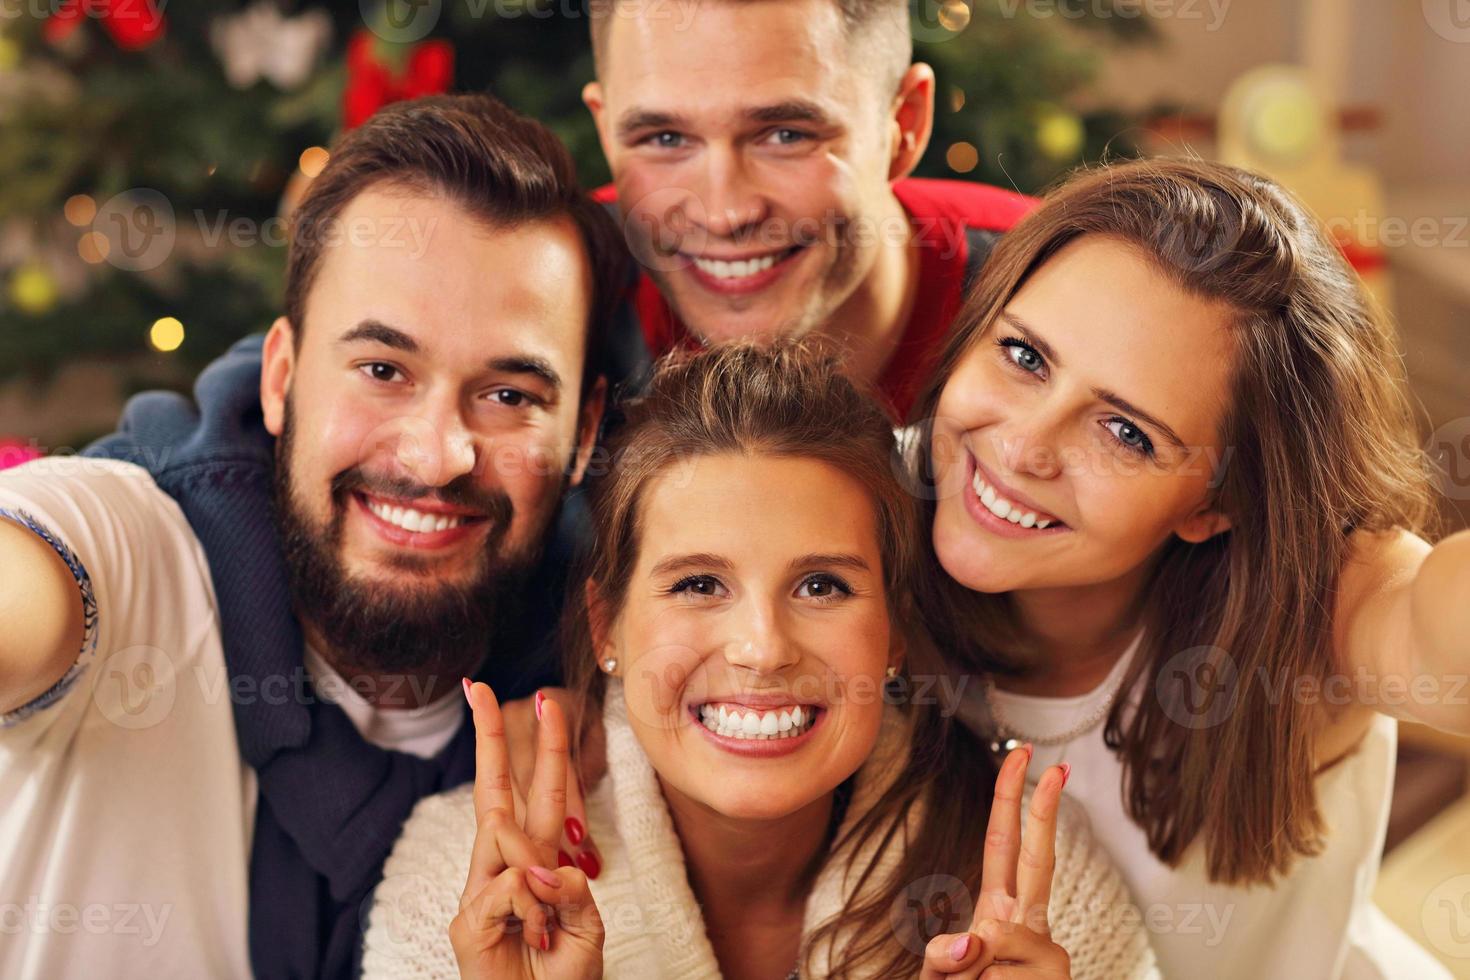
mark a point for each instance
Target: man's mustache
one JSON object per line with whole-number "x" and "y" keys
{"x": 461, "y": 492}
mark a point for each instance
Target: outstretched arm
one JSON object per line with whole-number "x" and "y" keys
{"x": 1402, "y": 628}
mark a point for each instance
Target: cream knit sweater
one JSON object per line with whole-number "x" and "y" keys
{"x": 654, "y": 927}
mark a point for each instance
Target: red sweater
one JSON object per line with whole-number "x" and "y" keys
{"x": 941, "y": 211}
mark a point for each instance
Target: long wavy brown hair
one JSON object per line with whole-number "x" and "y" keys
{"x": 791, "y": 399}
{"x": 1322, "y": 440}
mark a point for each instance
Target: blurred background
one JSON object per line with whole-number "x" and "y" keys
{"x": 149, "y": 152}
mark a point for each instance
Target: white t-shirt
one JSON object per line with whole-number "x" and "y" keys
{"x": 128, "y": 813}
{"x": 1317, "y": 923}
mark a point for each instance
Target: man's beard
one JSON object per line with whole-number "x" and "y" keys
{"x": 415, "y": 624}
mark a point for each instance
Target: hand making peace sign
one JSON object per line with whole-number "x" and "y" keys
{"x": 1009, "y": 935}
{"x": 519, "y": 919}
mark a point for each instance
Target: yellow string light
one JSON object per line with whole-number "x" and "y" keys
{"x": 166, "y": 334}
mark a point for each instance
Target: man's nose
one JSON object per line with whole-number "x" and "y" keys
{"x": 730, "y": 200}
{"x": 435, "y": 447}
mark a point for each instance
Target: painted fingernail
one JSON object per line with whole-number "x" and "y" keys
{"x": 575, "y": 831}
{"x": 466, "y": 682}
{"x": 959, "y": 947}
{"x": 587, "y": 861}
{"x": 540, "y": 699}
{"x": 1066, "y": 771}
{"x": 544, "y": 876}
{"x": 545, "y": 942}
{"x": 563, "y": 859}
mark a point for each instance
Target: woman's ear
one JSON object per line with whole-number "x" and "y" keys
{"x": 1203, "y": 524}
{"x": 278, "y": 363}
{"x": 598, "y": 626}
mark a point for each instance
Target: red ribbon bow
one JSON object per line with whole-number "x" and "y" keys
{"x": 372, "y": 84}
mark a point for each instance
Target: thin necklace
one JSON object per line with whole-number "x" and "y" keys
{"x": 1005, "y": 736}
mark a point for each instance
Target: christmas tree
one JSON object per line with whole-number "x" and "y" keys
{"x": 150, "y": 149}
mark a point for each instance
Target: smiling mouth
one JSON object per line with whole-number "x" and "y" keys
{"x": 734, "y": 272}
{"x": 408, "y": 518}
{"x": 772, "y": 724}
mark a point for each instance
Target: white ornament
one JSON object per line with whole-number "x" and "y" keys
{"x": 260, "y": 42}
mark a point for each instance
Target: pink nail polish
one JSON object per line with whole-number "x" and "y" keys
{"x": 466, "y": 682}
{"x": 544, "y": 876}
{"x": 959, "y": 947}
{"x": 540, "y": 700}
{"x": 1066, "y": 771}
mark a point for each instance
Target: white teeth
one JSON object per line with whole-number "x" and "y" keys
{"x": 412, "y": 520}
{"x": 738, "y": 269}
{"x": 1003, "y": 508}
{"x": 759, "y": 725}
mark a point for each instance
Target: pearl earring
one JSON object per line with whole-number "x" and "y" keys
{"x": 891, "y": 672}
{"x": 610, "y": 665}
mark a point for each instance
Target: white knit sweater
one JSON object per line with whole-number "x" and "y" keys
{"x": 655, "y": 930}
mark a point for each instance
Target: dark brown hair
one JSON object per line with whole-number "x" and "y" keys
{"x": 1321, "y": 441}
{"x": 503, "y": 168}
{"x": 792, "y": 399}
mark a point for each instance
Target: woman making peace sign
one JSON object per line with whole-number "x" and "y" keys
{"x": 774, "y": 805}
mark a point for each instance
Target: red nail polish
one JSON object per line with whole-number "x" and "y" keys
{"x": 466, "y": 682}
{"x": 575, "y": 831}
{"x": 540, "y": 699}
{"x": 587, "y": 861}
{"x": 545, "y": 941}
{"x": 1066, "y": 771}
{"x": 563, "y": 859}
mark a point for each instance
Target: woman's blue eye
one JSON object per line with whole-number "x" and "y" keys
{"x": 1131, "y": 436}
{"x": 1023, "y": 355}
